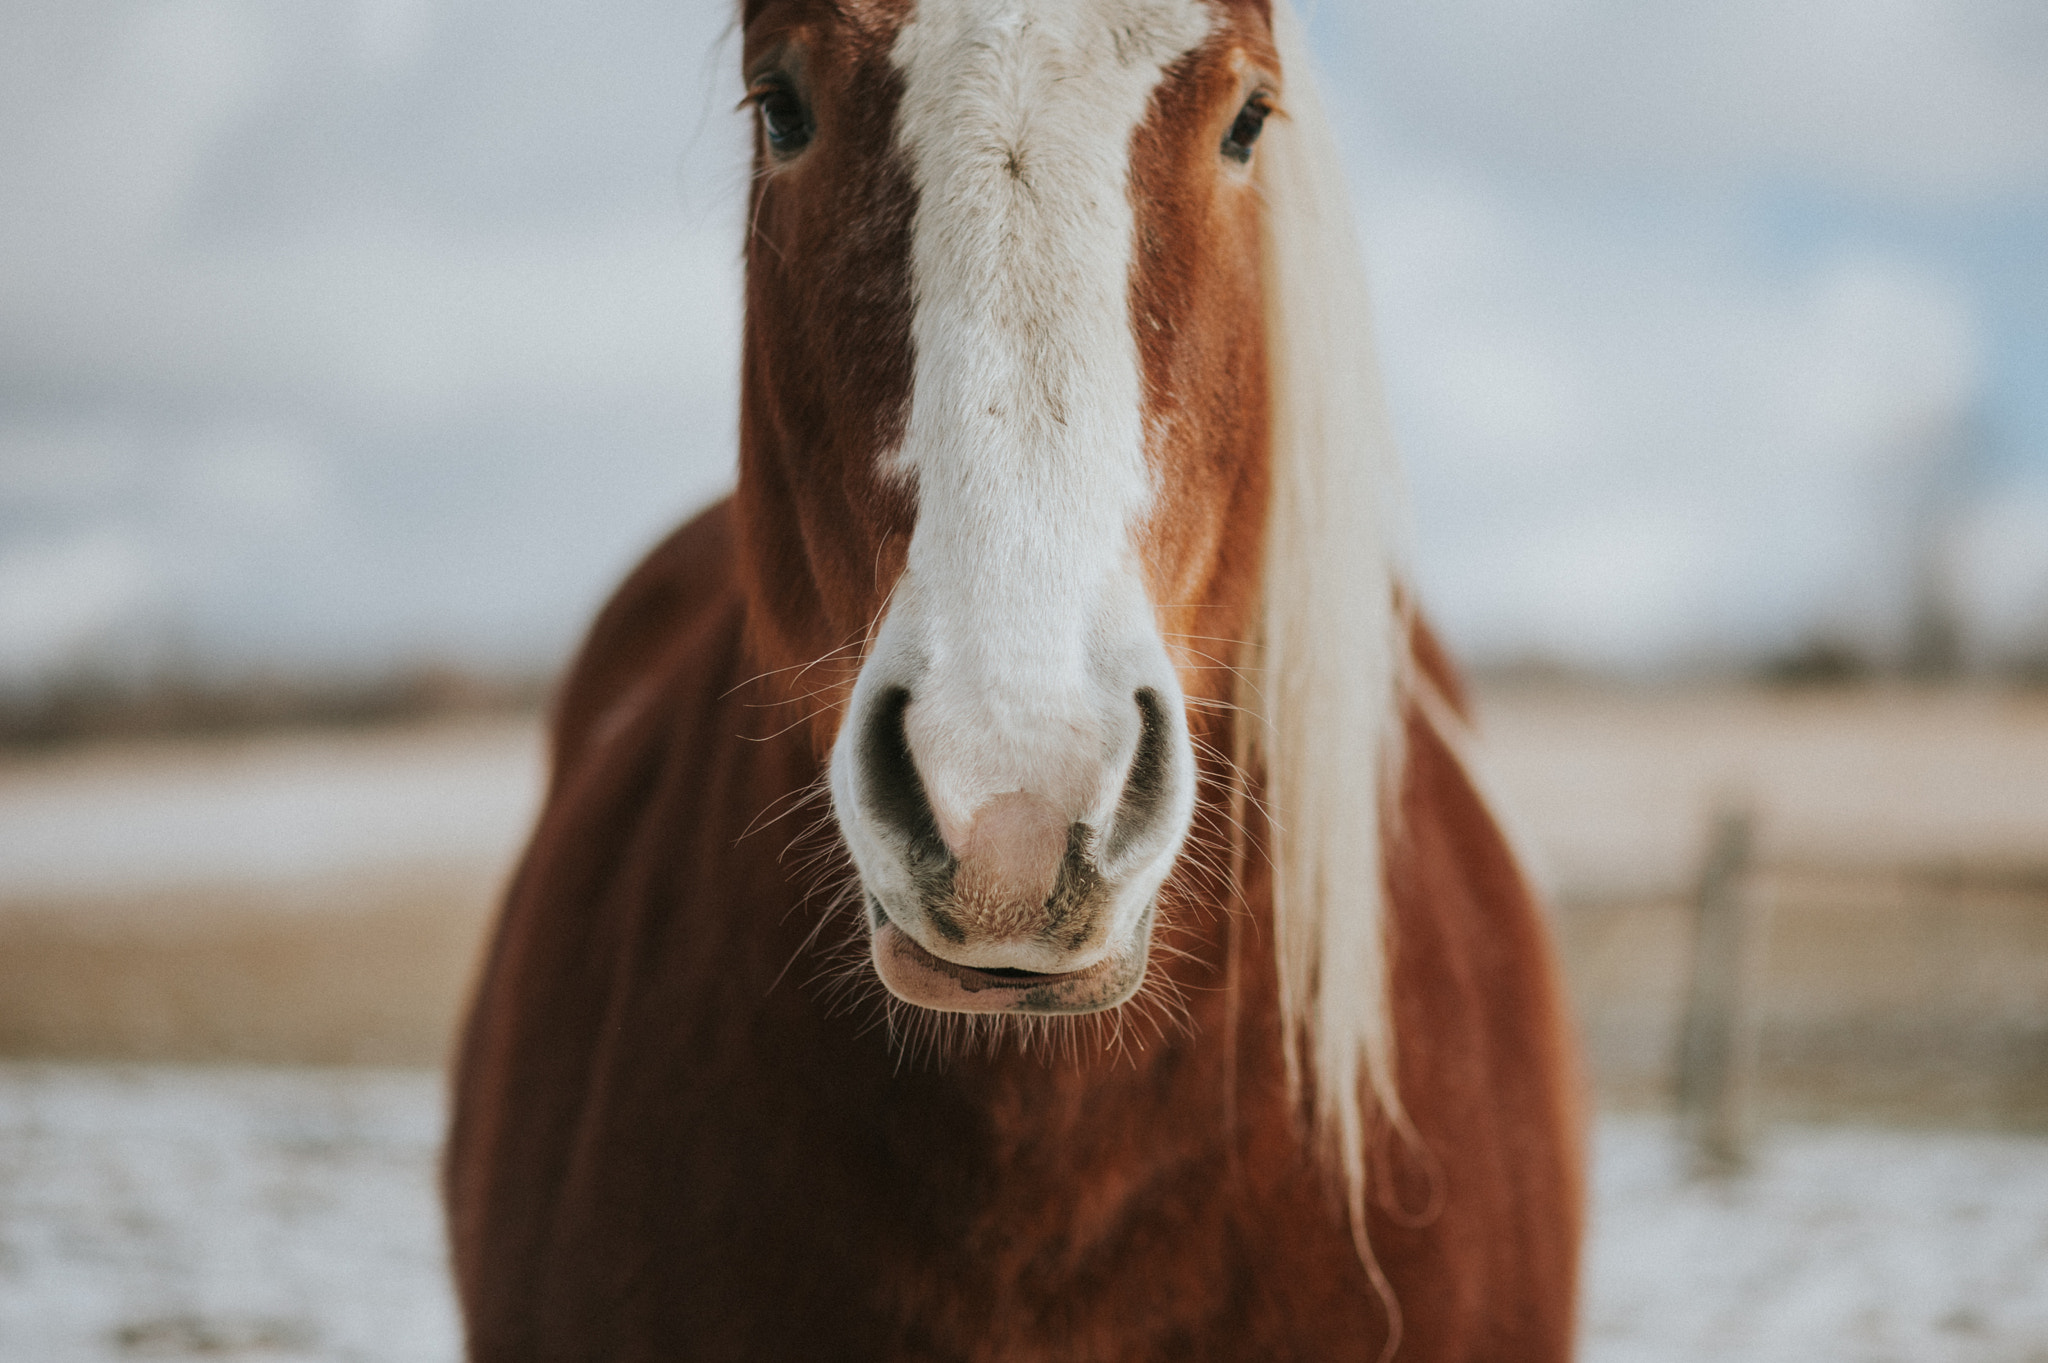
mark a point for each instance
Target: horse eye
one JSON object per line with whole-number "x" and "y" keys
{"x": 783, "y": 117}
{"x": 1251, "y": 121}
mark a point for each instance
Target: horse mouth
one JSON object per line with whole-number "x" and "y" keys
{"x": 917, "y": 976}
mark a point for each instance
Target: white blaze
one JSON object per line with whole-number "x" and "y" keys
{"x": 1021, "y": 620}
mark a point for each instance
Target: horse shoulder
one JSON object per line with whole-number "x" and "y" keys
{"x": 533, "y": 1054}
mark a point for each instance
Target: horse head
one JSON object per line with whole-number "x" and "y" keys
{"x": 1007, "y": 458}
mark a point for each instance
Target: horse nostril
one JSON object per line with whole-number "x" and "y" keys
{"x": 1147, "y": 784}
{"x": 889, "y": 781}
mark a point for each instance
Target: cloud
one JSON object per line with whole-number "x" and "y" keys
{"x": 404, "y": 325}
{"x": 1652, "y": 451}
{"x": 111, "y": 109}
{"x": 1642, "y": 426}
{"x": 1938, "y": 98}
{"x": 350, "y": 335}
{"x": 346, "y": 334}
{"x": 217, "y": 200}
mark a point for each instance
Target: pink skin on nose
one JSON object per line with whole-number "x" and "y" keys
{"x": 1010, "y": 859}
{"x": 1009, "y": 864}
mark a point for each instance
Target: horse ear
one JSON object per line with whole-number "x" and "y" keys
{"x": 1330, "y": 646}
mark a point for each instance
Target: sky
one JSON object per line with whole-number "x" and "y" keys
{"x": 379, "y": 333}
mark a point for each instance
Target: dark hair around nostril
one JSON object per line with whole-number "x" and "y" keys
{"x": 1146, "y": 784}
{"x": 890, "y": 785}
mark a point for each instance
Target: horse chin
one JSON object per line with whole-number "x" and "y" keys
{"x": 918, "y": 976}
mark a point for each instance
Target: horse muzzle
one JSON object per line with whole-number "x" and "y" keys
{"x": 1031, "y": 901}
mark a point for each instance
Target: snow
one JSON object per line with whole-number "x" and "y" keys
{"x": 252, "y": 1214}
{"x": 289, "y": 1214}
{"x": 1862, "y": 1245}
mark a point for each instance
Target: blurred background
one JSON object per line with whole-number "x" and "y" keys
{"x": 349, "y": 354}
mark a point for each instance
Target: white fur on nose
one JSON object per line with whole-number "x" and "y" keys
{"x": 1010, "y": 859}
{"x": 1021, "y": 621}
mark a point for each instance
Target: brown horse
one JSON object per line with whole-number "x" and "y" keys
{"x": 1156, "y": 984}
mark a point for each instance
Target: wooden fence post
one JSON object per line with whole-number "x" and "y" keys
{"x": 1717, "y": 1044}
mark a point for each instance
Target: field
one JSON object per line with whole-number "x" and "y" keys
{"x": 228, "y": 970}
{"x": 1899, "y": 885}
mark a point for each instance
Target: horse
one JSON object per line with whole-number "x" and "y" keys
{"x": 1012, "y": 882}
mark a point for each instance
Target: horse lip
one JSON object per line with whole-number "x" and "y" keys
{"x": 916, "y": 975}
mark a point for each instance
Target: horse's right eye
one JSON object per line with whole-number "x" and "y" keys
{"x": 1251, "y": 121}
{"x": 784, "y": 118}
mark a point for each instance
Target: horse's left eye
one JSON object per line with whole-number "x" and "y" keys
{"x": 1251, "y": 121}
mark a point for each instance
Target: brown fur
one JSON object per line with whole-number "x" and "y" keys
{"x": 677, "y": 1137}
{"x": 671, "y": 1144}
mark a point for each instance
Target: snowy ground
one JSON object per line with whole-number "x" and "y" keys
{"x": 284, "y": 1214}
{"x": 251, "y": 1214}
{"x": 1862, "y": 1245}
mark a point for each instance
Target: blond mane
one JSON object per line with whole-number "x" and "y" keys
{"x": 1326, "y": 685}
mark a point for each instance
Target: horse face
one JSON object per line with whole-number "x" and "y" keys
{"x": 1006, "y": 335}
